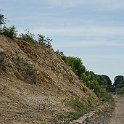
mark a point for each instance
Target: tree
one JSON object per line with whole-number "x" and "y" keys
{"x": 119, "y": 84}
{"x": 2, "y": 21}
{"x": 105, "y": 82}
{"x": 119, "y": 81}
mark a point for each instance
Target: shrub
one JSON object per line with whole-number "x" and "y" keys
{"x": 27, "y": 36}
{"x": 10, "y": 31}
{"x": 41, "y": 39}
{"x": 79, "y": 108}
{"x": 44, "y": 41}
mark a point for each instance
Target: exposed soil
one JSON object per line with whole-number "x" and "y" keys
{"x": 118, "y": 114}
{"x": 35, "y": 84}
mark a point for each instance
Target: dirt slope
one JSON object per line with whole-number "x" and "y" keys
{"x": 35, "y": 84}
{"x": 118, "y": 114}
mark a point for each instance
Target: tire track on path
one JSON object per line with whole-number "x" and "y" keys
{"x": 118, "y": 114}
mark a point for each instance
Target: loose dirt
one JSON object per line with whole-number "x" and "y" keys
{"x": 118, "y": 114}
{"x": 36, "y": 85}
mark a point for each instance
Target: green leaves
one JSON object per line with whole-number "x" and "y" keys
{"x": 44, "y": 41}
{"x": 76, "y": 65}
{"x": 2, "y": 19}
{"x": 89, "y": 78}
{"x": 119, "y": 84}
{"x": 10, "y": 31}
{"x": 27, "y": 36}
{"x": 79, "y": 108}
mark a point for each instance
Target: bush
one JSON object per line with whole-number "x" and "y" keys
{"x": 79, "y": 108}
{"x": 44, "y": 41}
{"x": 76, "y": 65}
{"x": 10, "y": 31}
{"x": 41, "y": 39}
{"x": 27, "y": 36}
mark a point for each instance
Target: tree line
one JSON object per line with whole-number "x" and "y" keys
{"x": 100, "y": 84}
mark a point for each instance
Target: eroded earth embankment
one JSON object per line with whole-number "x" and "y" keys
{"x": 35, "y": 84}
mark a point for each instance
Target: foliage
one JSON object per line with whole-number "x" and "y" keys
{"x": 79, "y": 110}
{"x": 10, "y": 31}
{"x": 105, "y": 82}
{"x": 89, "y": 78}
{"x": 41, "y": 39}
{"x": 61, "y": 54}
{"x": 2, "y": 21}
{"x": 119, "y": 81}
{"x": 27, "y": 36}
{"x": 76, "y": 65}
{"x": 119, "y": 84}
{"x": 44, "y": 41}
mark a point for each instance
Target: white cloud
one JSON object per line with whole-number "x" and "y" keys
{"x": 109, "y": 4}
{"x": 82, "y": 31}
{"x": 86, "y": 36}
{"x": 88, "y": 43}
{"x": 67, "y": 3}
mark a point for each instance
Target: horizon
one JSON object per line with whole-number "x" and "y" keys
{"x": 90, "y": 30}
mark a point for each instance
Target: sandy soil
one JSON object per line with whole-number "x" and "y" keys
{"x": 118, "y": 114}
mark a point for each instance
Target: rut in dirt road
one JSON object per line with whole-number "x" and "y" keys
{"x": 118, "y": 114}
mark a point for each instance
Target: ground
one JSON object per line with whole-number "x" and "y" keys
{"x": 118, "y": 114}
{"x": 36, "y": 86}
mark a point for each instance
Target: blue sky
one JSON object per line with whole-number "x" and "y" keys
{"x": 90, "y": 29}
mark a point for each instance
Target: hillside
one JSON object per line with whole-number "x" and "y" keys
{"x": 36, "y": 85}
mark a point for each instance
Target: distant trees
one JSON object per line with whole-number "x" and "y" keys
{"x": 119, "y": 84}
{"x": 119, "y": 81}
{"x": 105, "y": 82}
{"x": 89, "y": 78}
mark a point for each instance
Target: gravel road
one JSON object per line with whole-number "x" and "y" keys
{"x": 118, "y": 114}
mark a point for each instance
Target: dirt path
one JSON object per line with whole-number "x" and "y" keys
{"x": 118, "y": 114}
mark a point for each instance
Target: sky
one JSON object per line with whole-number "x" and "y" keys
{"x": 90, "y": 29}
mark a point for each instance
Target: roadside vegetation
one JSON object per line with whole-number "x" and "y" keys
{"x": 101, "y": 85}
{"x": 79, "y": 110}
